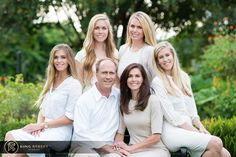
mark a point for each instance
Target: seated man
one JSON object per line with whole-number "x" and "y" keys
{"x": 96, "y": 116}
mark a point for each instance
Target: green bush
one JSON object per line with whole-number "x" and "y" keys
{"x": 13, "y": 124}
{"x": 218, "y": 98}
{"x": 225, "y": 129}
{"x": 219, "y": 58}
{"x": 17, "y": 99}
{"x": 215, "y": 84}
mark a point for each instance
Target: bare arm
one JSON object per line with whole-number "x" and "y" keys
{"x": 119, "y": 137}
{"x": 59, "y": 122}
{"x": 154, "y": 138}
{"x": 35, "y": 128}
{"x": 41, "y": 118}
{"x": 79, "y": 69}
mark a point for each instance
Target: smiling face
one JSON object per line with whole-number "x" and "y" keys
{"x": 60, "y": 61}
{"x": 135, "y": 80}
{"x": 100, "y": 31}
{"x": 166, "y": 60}
{"x": 106, "y": 75}
{"x": 135, "y": 30}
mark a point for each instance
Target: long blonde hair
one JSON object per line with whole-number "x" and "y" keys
{"x": 147, "y": 26}
{"x": 89, "y": 46}
{"x": 176, "y": 71}
{"x": 51, "y": 71}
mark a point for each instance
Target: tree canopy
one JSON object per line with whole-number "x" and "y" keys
{"x": 23, "y": 27}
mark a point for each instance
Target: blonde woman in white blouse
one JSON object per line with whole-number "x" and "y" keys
{"x": 56, "y": 101}
{"x": 139, "y": 45}
{"x": 98, "y": 44}
{"x": 182, "y": 126}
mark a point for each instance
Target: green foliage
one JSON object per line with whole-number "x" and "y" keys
{"x": 219, "y": 58}
{"x": 225, "y": 129}
{"x": 13, "y": 124}
{"x": 189, "y": 47}
{"x": 17, "y": 99}
{"x": 217, "y": 100}
{"x": 34, "y": 51}
{"x": 204, "y": 94}
{"x": 215, "y": 86}
{"x": 22, "y": 28}
{"x": 225, "y": 104}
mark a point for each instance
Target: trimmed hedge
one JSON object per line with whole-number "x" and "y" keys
{"x": 225, "y": 129}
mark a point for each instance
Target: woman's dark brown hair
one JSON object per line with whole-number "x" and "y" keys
{"x": 144, "y": 91}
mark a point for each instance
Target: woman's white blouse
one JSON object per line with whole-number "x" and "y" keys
{"x": 142, "y": 56}
{"x": 61, "y": 101}
{"x": 175, "y": 106}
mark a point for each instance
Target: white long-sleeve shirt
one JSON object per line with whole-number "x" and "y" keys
{"x": 96, "y": 117}
{"x": 175, "y": 106}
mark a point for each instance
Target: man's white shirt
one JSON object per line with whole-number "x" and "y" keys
{"x": 96, "y": 117}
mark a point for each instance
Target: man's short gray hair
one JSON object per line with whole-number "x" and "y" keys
{"x": 104, "y": 59}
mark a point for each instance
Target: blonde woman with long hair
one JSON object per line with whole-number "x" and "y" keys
{"x": 98, "y": 44}
{"x": 139, "y": 45}
{"x": 56, "y": 102}
{"x": 182, "y": 126}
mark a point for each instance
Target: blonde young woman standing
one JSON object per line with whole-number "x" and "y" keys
{"x": 182, "y": 126}
{"x": 56, "y": 101}
{"x": 139, "y": 44}
{"x": 98, "y": 44}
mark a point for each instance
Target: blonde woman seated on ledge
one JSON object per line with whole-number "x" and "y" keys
{"x": 56, "y": 101}
{"x": 182, "y": 126}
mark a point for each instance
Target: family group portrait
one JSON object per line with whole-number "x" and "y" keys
{"x": 116, "y": 78}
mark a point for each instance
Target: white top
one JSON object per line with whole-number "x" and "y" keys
{"x": 175, "y": 106}
{"x": 96, "y": 117}
{"x": 80, "y": 56}
{"x": 57, "y": 103}
{"x": 62, "y": 100}
{"x": 142, "y": 56}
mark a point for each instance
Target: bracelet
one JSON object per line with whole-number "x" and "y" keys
{"x": 45, "y": 124}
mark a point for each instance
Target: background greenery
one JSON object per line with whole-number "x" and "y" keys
{"x": 23, "y": 29}
{"x": 17, "y": 99}
{"x": 205, "y": 43}
{"x": 225, "y": 129}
